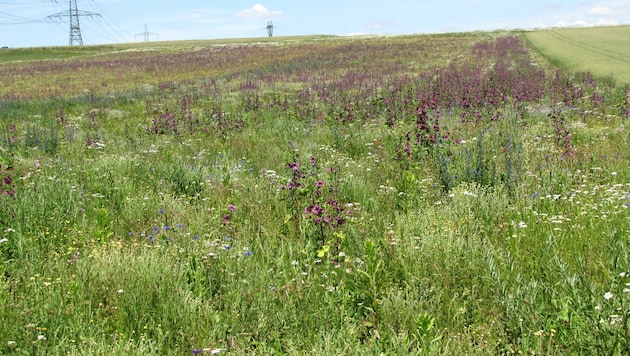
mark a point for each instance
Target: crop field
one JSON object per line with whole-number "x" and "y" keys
{"x": 603, "y": 51}
{"x": 408, "y": 195}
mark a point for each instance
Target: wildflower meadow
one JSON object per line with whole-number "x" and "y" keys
{"x": 402, "y": 195}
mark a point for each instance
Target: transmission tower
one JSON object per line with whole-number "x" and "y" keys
{"x": 147, "y": 35}
{"x": 73, "y": 14}
{"x": 270, "y": 28}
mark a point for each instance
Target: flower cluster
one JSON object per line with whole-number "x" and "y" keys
{"x": 314, "y": 196}
{"x": 6, "y": 184}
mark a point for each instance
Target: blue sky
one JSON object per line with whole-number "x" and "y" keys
{"x": 23, "y": 22}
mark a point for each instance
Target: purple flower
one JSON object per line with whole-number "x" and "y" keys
{"x": 227, "y": 247}
{"x": 195, "y": 237}
{"x": 248, "y": 253}
{"x": 180, "y": 226}
{"x": 320, "y": 183}
{"x": 293, "y": 165}
{"x": 232, "y": 207}
{"x": 161, "y": 211}
{"x": 197, "y": 351}
{"x": 317, "y": 210}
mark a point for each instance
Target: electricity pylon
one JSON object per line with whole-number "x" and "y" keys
{"x": 147, "y": 35}
{"x": 73, "y": 13}
{"x": 270, "y": 28}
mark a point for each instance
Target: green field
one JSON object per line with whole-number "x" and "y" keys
{"x": 453, "y": 194}
{"x": 8, "y": 55}
{"x": 604, "y": 51}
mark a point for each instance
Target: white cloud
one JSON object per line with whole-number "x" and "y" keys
{"x": 584, "y": 15}
{"x": 609, "y": 15}
{"x": 601, "y": 11}
{"x": 256, "y": 11}
{"x": 379, "y": 25}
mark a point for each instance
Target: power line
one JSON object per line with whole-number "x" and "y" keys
{"x": 109, "y": 21}
{"x": 17, "y": 20}
{"x": 101, "y": 32}
{"x": 107, "y": 31}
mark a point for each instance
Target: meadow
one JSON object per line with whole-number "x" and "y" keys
{"x": 407, "y": 195}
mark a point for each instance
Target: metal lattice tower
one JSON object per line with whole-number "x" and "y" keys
{"x": 270, "y": 28}
{"x": 147, "y": 35}
{"x": 73, "y": 14}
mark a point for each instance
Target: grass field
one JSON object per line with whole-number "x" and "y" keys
{"x": 409, "y": 195}
{"x": 604, "y": 51}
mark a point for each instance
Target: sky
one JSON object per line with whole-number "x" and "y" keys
{"x": 24, "y": 23}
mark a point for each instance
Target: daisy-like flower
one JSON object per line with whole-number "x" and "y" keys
{"x": 608, "y": 295}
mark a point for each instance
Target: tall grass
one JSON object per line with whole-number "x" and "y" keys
{"x": 329, "y": 202}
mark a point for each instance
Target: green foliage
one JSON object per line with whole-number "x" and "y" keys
{"x": 45, "y": 139}
{"x": 498, "y": 230}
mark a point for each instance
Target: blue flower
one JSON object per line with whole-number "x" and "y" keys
{"x": 180, "y": 226}
{"x": 248, "y": 253}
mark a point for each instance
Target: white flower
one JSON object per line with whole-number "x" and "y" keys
{"x": 522, "y": 225}
{"x": 120, "y": 291}
{"x": 41, "y": 337}
{"x": 608, "y": 296}
{"x": 3, "y": 240}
